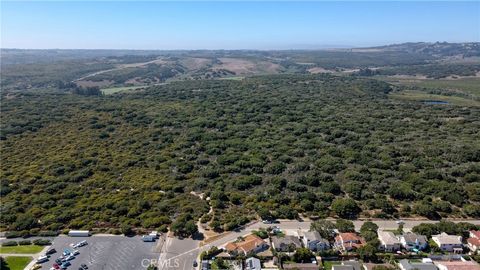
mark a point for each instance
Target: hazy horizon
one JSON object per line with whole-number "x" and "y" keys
{"x": 234, "y": 25}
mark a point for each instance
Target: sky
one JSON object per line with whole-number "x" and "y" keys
{"x": 233, "y": 25}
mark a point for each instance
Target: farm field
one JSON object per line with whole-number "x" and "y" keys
{"x": 412, "y": 95}
{"x": 467, "y": 85}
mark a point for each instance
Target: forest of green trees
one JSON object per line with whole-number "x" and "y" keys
{"x": 275, "y": 146}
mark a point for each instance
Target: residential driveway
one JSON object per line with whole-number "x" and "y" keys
{"x": 106, "y": 252}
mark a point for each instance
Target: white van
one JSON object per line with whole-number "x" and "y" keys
{"x": 42, "y": 259}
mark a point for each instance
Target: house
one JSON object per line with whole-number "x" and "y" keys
{"x": 473, "y": 244}
{"x": 348, "y": 265}
{"x": 474, "y": 234}
{"x": 447, "y": 242}
{"x": 412, "y": 241}
{"x": 474, "y": 241}
{"x": 457, "y": 265}
{"x": 287, "y": 243}
{"x": 251, "y": 244}
{"x": 348, "y": 242}
{"x": 388, "y": 241}
{"x": 314, "y": 242}
{"x": 407, "y": 265}
{"x": 253, "y": 263}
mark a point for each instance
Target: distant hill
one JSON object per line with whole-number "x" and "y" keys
{"x": 437, "y": 49}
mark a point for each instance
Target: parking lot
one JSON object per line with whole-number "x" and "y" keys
{"x": 106, "y": 252}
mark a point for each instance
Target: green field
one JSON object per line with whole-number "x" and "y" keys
{"x": 412, "y": 95}
{"x": 16, "y": 262}
{"x": 467, "y": 85}
{"x": 28, "y": 249}
{"x": 109, "y": 91}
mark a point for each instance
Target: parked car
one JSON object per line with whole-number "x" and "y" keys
{"x": 195, "y": 264}
{"x": 51, "y": 251}
{"x": 42, "y": 259}
{"x": 76, "y": 252}
{"x": 71, "y": 257}
{"x": 84, "y": 266}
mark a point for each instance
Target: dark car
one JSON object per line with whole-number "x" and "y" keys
{"x": 51, "y": 251}
{"x": 84, "y": 266}
{"x": 195, "y": 264}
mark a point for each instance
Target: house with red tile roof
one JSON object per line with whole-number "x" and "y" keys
{"x": 473, "y": 242}
{"x": 457, "y": 265}
{"x": 250, "y": 244}
{"x": 348, "y": 242}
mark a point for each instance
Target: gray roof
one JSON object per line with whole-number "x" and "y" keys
{"x": 417, "y": 266}
{"x": 413, "y": 237}
{"x": 342, "y": 267}
{"x": 286, "y": 240}
{"x": 388, "y": 238}
{"x": 356, "y": 265}
{"x": 310, "y": 236}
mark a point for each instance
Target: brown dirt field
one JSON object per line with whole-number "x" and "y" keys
{"x": 242, "y": 66}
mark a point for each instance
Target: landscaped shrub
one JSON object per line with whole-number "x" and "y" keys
{"x": 9, "y": 244}
{"x": 24, "y": 242}
{"x": 42, "y": 242}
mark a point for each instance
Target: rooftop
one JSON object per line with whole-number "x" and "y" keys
{"x": 444, "y": 238}
{"x": 388, "y": 238}
{"x": 414, "y": 238}
{"x": 246, "y": 245}
{"x": 460, "y": 265}
{"x": 407, "y": 265}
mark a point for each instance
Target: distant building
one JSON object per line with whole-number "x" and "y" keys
{"x": 389, "y": 242}
{"x": 348, "y": 242}
{"x": 314, "y": 242}
{"x": 449, "y": 243}
{"x": 411, "y": 241}
{"x": 253, "y": 263}
{"x": 251, "y": 244}
{"x": 286, "y": 243}
{"x": 407, "y": 265}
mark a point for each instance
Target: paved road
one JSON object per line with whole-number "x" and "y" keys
{"x": 178, "y": 254}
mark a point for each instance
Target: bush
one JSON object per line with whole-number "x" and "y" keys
{"x": 42, "y": 242}
{"x": 47, "y": 233}
{"x": 9, "y": 244}
{"x": 12, "y": 234}
{"x": 24, "y": 242}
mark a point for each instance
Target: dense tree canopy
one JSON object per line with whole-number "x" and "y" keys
{"x": 277, "y": 145}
